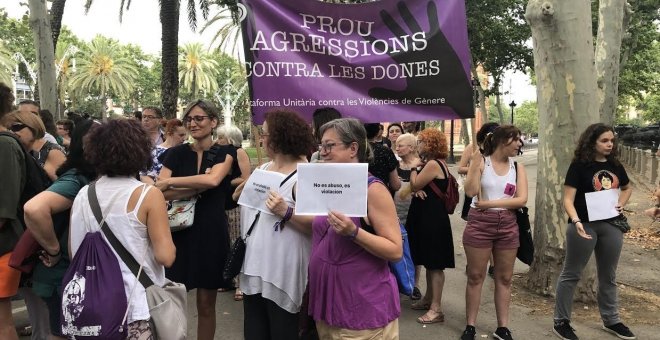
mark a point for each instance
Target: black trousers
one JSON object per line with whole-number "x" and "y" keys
{"x": 265, "y": 320}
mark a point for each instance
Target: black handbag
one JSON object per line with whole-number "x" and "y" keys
{"x": 620, "y": 222}
{"x": 526, "y": 249}
{"x": 236, "y": 255}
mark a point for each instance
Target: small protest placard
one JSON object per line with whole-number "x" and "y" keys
{"x": 257, "y": 187}
{"x": 601, "y": 205}
{"x": 340, "y": 187}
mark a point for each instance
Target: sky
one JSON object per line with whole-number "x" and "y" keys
{"x": 141, "y": 26}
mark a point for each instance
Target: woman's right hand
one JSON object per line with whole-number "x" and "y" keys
{"x": 580, "y": 230}
{"x": 238, "y": 191}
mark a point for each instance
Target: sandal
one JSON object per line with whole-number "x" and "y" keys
{"x": 427, "y": 320}
{"x": 420, "y": 305}
{"x": 238, "y": 295}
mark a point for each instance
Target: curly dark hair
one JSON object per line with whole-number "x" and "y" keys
{"x": 288, "y": 133}
{"x": 75, "y": 159}
{"x": 586, "y": 147}
{"x": 500, "y": 136}
{"x": 6, "y": 99}
{"x": 119, "y": 147}
{"x": 484, "y": 130}
{"x": 435, "y": 144}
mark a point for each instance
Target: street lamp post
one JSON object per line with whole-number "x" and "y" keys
{"x": 513, "y": 105}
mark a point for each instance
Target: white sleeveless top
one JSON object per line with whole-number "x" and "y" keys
{"x": 276, "y": 262}
{"x": 127, "y": 228}
{"x": 494, "y": 186}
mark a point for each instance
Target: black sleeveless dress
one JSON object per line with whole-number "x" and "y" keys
{"x": 429, "y": 230}
{"x": 201, "y": 250}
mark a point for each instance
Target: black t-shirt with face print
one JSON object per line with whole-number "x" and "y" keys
{"x": 593, "y": 176}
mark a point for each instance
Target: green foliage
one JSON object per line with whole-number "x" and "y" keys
{"x": 640, "y": 59}
{"x": 651, "y": 108}
{"x": 526, "y": 118}
{"x": 90, "y": 106}
{"x": 498, "y": 36}
{"x": 17, "y": 37}
{"x": 7, "y": 65}
{"x": 102, "y": 67}
{"x": 197, "y": 70}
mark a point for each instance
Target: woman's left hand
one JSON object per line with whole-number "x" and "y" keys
{"x": 341, "y": 224}
{"x": 276, "y": 204}
{"x": 619, "y": 208}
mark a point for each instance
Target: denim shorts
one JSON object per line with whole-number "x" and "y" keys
{"x": 490, "y": 228}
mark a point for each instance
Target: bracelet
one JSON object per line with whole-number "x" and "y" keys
{"x": 354, "y": 234}
{"x": 575, "y": 220}
{"x": 279, "y": 225}
{"x": 59, "y": 252}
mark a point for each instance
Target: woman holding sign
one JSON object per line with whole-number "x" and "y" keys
{"x": 498, "y": 188}
{"x": 349, "y": 268}
{"x": 595, "y": 168}
{"x": 274, "y": 274}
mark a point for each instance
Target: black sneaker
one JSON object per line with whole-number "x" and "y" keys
{"x": 491, "y": 272}
{"x": 563, "y": 330}
{"x": 416, "y": 294}
{"x": 502, "y": 333}
{"x": 620, "y": 330}
{"x": 469, "y": 334}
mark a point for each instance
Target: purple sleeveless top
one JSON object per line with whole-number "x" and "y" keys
{"x": 349, "y": 287}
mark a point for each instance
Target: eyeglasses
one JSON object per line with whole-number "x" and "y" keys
{"x": 327, "y": 147}
{"x": 150, "y": 117}
{"x": 197, "y": 119}
{"x": 17, "y": 127}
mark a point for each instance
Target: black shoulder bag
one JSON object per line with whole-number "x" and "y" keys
{"x": 236, "y": 255}
{"x": 526, "y": 250}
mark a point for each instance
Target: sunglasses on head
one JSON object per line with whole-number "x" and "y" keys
{"x": 17, "y": 127}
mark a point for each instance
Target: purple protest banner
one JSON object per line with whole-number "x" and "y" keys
{"x": 380, "y": 61}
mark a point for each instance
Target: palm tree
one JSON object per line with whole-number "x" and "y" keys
{"x": 103, "y": 69}
{"x": 228, "y": 34}
{"x": 7, "y": 65}
{"x": 169, "y": 20}
{"x": 197, "y": 69}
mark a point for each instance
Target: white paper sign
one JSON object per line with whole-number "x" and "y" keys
{"x": 256, "y": 189}
{"x": 332, "y": 186}
{"x": 601, "y": 205}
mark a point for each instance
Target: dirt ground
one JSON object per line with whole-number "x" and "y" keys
{"x": 638, "y": 273}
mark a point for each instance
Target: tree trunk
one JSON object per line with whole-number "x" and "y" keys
{"x": 482, "y": 94}
{"x": 567, "y": 103}
{"x": 608, "y": 54}
{"x": 169, "y": 19}
{"x": 45, "y": 54}
{"x": 465, "y": 135}
{"x": 56, "y": 13}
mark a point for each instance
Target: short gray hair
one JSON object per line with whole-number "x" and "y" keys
{"x": 350, "y": 130}
{"x": 232, "y": 133}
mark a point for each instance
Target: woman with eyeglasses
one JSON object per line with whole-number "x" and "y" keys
{"x": 201, "y": 249}
{"x": 352, "y": 293}
{"x": 175, "y": 134}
